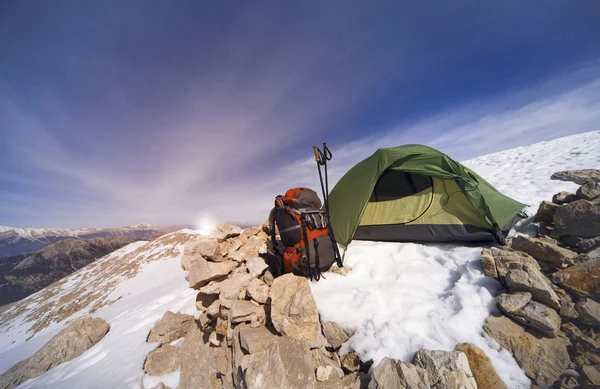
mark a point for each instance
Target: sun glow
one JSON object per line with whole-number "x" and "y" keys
{"x": 205, "y": 224}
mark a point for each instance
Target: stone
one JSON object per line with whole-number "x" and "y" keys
{"x": 323, "y": 373}
{"x": 202, "y": 272}
{"x": 582, "y": 279}
{"x": 447, "y": 370}
{"x": 170, "y": 327}
{"x": 579, "y": 218}
{"x": 589, "y": 311}
{"x": 258, "y": 291}
{"x": 593, "y": 255}
{"x": 350, "y": 362}
{"x": 567, "y": 307}
{"x": 257, "y": 266}
{"x": 254, "y": 247}
{"x": 592, "y": 373}
{"x": 255, "y": 340}
{"x": 205, "y": 300}
{"x": 230, "y": 246}
{"x": 394, "y": 374}
{"x": 526, "y": 278}
{"x": 214, "y": 339}
{"x": 546, "y": 251}
{"x": 577, "y": 176}
{"x": 285, "y": 364}
{"x": 542, "y": 359}
{"x": 585, "y": 245}
{"x": 495, "y": 261}
{"x": 244, "y": 311}
{"x": 510, "y": 303}
{"x": 233, "y": 288}
{"x": 545, "y": 212}
{"x": 163, "y": 360}
{"x": 194, "y": 353}
{"x": 335, "y": 335}
{"x": 323, "y": 358}
{"x": 293, "y": 309}
{"x": 481, "y": 366}
{"x": 68, "y": 344}
{"x": 225, "y": 231}
{"x": 532, "y": 314}
{"x": 589, "y": 191}
{"x": 210, "y": 249}
{"x": 268, "y": 278}
{"x": 578, "y": 338}
{"x": 161, "y": 386}
{"x": 563, "y": 198}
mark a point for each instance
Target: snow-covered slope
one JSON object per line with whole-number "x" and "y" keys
{"x": 400, "y": 297}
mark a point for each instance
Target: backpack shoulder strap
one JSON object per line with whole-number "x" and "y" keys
{"x": 272, "y": 228}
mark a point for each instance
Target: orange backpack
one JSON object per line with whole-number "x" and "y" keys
{"x": 304, "y": 232}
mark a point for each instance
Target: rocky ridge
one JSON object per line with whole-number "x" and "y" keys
{"x": 551, "y": 308}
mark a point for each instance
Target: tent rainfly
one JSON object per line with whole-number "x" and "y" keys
{"x": 416, "y": 193}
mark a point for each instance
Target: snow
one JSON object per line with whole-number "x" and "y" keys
{"x": 401, "y": 297}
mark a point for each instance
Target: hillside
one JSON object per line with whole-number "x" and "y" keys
{"x": 395, "y": 299}
{"x": 25, "y": 274}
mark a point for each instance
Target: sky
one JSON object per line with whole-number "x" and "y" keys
{"x": 124, "y": 112}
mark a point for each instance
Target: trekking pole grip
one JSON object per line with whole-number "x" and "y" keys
{"x": 317, "y": 154}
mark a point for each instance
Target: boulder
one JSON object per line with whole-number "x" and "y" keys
{"x": 563, "y": 198}
{"x": 285, "y": 364}
{"x": 582, "y": 280}
{"x": 268, "y": 278}
{"x": 358, "y": 380}
{"x": 210, "y": 249}
{"x": 258, "y": 291}
{"x": 495, "y": 261}
{"x": 196, "y": 352}
{"x": 593, "y": 255}
{"x": 532, "y": 314}
{"x": 577, "y": 176}
{"x": 589, "y": 191}
{"x": 202, "y": 272}
{"x": 592, "y": 374}
{"x": 253, "y": 247}
{"x": 394, "y": 374}
{"x": 230, "y": 247}
{"x": 323, "y": 358}
{"x": 163, "y": 360}
{"x": 231, "y": 289}
{"x": 244, "y": 311}
{"x": 225, "y": 231}
{"x": 546, "y": 251}
{"x": 68, "y": 344}
{"x": 255, "y": 340}
{"x": 170, "y": 327}
{"x": 446, "y": 370}
{"x": 567, "y": 306}
{"x": 585, "y": 245}
{"x": 579, "y": 218}
{"x": 350, "y": 362}
{"x": 589, "y": 312}
{"x": 256, "y": 266}
{"x": 335, "y": 335}
{"x": 526, "y": 278}
{"x": 205, "y": 300}
{"x": 323, "y": 373}
{"x": 542, "y": 359}
{"x": 579, "y": 339}
{"x": 293, "y": 309}
{"x": 545, "y": 212}
{"x": 481, "y": 366}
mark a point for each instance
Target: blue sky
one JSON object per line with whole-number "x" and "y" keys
{"x": 125, "y": 112}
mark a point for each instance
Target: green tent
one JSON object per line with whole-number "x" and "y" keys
{"x": 416, "y": 193}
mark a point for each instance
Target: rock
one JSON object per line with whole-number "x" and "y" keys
{"x": 510, "y": 303}
{"x": 545, "y": 212}
{"x": 163, "y": 360}
{"x": 589, "y": 191}
{"x": 335, "y": 335}
{"x": 563, "y": 198}
{"x": 593, "y": 255}
{"x": 268, "y": 278}
{"x": 293, "y": 309}
{"x": 542, "y": 359}
{"x": 258, "y": 291}
{"x": 323, "y": 358}
{"x": 447, "y": 370}
{"x": 244, "y": 311}
{"x": 225, "y": 231}
{"x": 589, "y": 311}
{"x": 323, "y": 373}
{"x": 210, "y": 249}
{"x": 205, "y": 300}
{"x": 213, "y": 309}
{"x": 578, "y": 338}
{"x": 567, "y": 307}
{"x": 161, "y": 386}
{"x": 231, "y": 289}
{"x": 358, "y": 380}
{"x": 532, "y": 314}
{"x": 230, "y": 246}
{"x": 481, "y": 366}
{"x": 202, "y": 272}
{"x": 582, "y": 280}
{"x": 285, "y": 364}
{"x": 592, "y": 373}
{"x": 194, "y": 353}
{"x": 350, "y": 362}
{"x": 170, "y": 327}
{"x": 68, "y": 344}
{"x": 526, "y": 278}
{"x": 585, "y": 245}
{"x": 546, "y": 251}
{"x": 577, "y": 176}
{"x": 255, "y": 340}
{"x": 394, "y": 374}
{"x": 257, "y": 266}
{"x": 579, "y": 218}
{"x": 253, "y": 247}
{"x": 495, "y": 261}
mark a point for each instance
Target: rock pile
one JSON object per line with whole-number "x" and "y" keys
{"x": 258, "y": 332}
{"x": 551, "y": 308}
